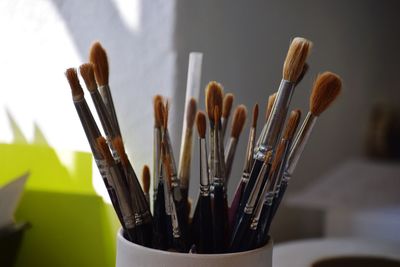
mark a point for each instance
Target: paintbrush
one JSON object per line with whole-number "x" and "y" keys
{"x": 146, "y": 183}
{"x": 214, "y": 97}
{"x": 247, "y": 168}
{"x": 326, "y": 89}
{"x": 143, "y": 218}
{"x": 186, "y": 149}
{"x": 160, "y": 235}
{"x": 203, "y": 219}
{"x": 98, "y": 57}
{"x": 239, "y": 119}
{"x": 219, "y": 201}
{"x": 242, "y": 225}
{"x": 262, "y": 220}
{"x": 292, "y": 68}
{"x": 226, "y": 112}
{"x": 117, "y": 182}
{"x": 92, "y": 132}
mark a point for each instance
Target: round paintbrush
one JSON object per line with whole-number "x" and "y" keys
{"x": 226, "y": 112}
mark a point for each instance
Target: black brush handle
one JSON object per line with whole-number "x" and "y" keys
{"x": 278, "y": 199}
{"x": 263, "y": 225}
{"x": 181, "y": 213}
{"x": 249, "y": 187}
{"x": 220, "y": 219}
{"x": 239, "y": 232}
{"x": 160, "y": 236}
{"x": 179, "y": 245}
{"x": 249, "y": 240}
{"x": 235, "y": 204}
{"x": 204, "y": 243}
{"x": 144, "y": 235}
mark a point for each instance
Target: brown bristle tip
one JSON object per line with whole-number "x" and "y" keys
{"x": 270, "y": 104}
{"x": 201, "y": 124}
{"x": 292, "y": 124}
{"x": 239, "y": 119}
{"x": 217, "y": 115}
{"x": 104, "y": 150}
{"x": 255, "y": 116}
{"x": 296, "y": 58}
{"x": 87, "y": 73}
{"x": 165, "y": 115}
{"x": 326, "y": 89}
{"x": 227, "y": 105}
{"x": 214, "y": 98}
{"x": 191, "y": 113}
{"x": 278, "y": 157}
{"x": 166, "y": 163}
{"x": 76, "y": 88}
{"x": 119, "y": 147}
{"x": 98, "y": 57}
{"x": 146, "y": 178}
{"x": 158, "y": 106}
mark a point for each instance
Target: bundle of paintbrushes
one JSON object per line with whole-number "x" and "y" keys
{"x": 215, "y": 226}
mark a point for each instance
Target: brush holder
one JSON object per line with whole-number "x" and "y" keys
{"x": 132, "y": 255}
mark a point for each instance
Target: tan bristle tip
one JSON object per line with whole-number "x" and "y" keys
{"x": 157, "y": 103}
{"x": 98, "y": 57}
{"x": 326, "y": 89}
{"x": 119, "y": 147}
{"x": 104, "y": 150}
{"x": 214, "y": 97}
{"x": 255, "y": 116}
{"x": 146, "y": 178}
{"x": 239, "y": 119}
{"x": 201, "y": 124}
{"x": 296, "y": 58}
{"x": 292, "y": 124}
{"x": 76, "y": 88}
{"x": 271, "y": 101}
{"x": 227, "y": 105}
{"x": 87, "y": 73}
{"x": 191, "y": 113}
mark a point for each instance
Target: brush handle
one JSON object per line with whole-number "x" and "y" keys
{"x": 239, "y": 232}
{"x": 235, "y": 202}
{"x": 105, "y": 93}
{"x": 204, "y": 243}
{"x": 277, "y": 201}
{"x": 181, "y": 213}
{"x": 144, "y": 235}
{"x": 220, "y": 219}
{"x": 160, "y": 236}
{"x": 264, "y": 224}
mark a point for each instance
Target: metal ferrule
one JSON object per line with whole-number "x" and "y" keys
{"x": 176, "y": 233}
{"x": 229, "y": 156}
{"x": 251, "y": 202}
{"x": 123, "y": 196}
{"x": 245, "y": 177}
{"x": 218, "y": 163}
{"x": 156, "y": 158}
{"x": 204, "y": 178}
{"x": 248, "y": 162}
{"x": 273, "y": 127}
{"x": 102, "y": 166}
{"x": 167, "y": 198}
{"x": 299, "y": 143}
{"x": 89, "y": 125}
{"x": 211, "y": 150}
{"x": 175, "y": 182}
{"x": 185, "y": 158}
{"x": 105, "y": 93}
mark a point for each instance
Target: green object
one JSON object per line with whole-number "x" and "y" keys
{"x": 70, "y": 223}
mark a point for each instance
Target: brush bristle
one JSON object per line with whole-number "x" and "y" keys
{"x": 239, "y": 119}
{"x": 296, "y": 58}
{"x": 165, "y": 115}
{"x": 76, "y": 88}
{"x": 292, "y": 124}
{"x": 87, "y": 74}
{"x": 159, "y": 113}
{"x": 191, "y": 113}
{"x": 214, "y": 97}
{"x": 201, "y": 124}
{"x": 146, "y": 179}
{"x": 303, "y": 73}
{"x": 104, "y": 149}
{"x": 98, "y": 57}
{"x": 157, "y": 103}
{"x": 270, "y": 104}
{"x": 217, "y": 115}
{"x": 278, "y": 157}
{"x": 326, "y": 88}
{"x": 227, "y": 105}
{"x": 119, "y": 147}
{"x": 255, "y": 116}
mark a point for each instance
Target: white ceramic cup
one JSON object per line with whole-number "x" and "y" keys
{"x": 133, "y": 255}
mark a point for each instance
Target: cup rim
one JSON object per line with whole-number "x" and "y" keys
{"x": 137, "y": 247}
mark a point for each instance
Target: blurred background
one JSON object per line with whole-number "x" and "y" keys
{"x": 244, "y": 45}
